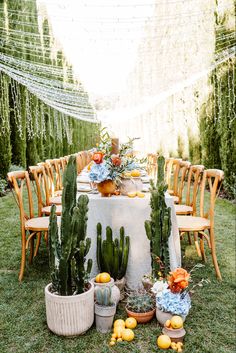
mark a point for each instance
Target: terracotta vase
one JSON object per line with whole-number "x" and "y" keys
{"x": 176, "y": 335}
{"x": 106, "y": 188}
{"x": 141, "y": 318}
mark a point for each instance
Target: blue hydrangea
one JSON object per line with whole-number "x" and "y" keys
{"x": 99, "y": 173}
{"x": 174, "y": 303}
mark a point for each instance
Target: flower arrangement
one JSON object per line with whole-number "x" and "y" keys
{"x": 108, "y": 166}
{"x": 172, "y": 293}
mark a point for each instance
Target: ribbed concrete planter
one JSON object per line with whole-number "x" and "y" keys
{"x": 69, "y": 315}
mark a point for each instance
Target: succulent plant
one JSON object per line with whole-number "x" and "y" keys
{"x": 103, "y": 296}
{"x": 112, "y": 255}
{"x": 67, "y": 244}
{"x": 159, "y": 227}
{"x": 140, "y": 302}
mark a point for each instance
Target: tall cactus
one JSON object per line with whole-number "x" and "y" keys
{"x": 159, "y": 227}
{"x": 67, "y": 245}
{"x": 112, "y": 255}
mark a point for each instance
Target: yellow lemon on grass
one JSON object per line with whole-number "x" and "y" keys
{"x": 164, "y": 342}
{"x": 132, "y": 194}
{"x": 112, "y": 343}
{"x": 127, "y": 335}
{"x": 135, "y": 173}
{"x": 140, "y": 194}
{"x": 119, "y": 339}
{"x": 119, "y": 322}
{"x": 176, "y": 322}
{"x": 131, "y": 322}
{"x": 118, "y": 330}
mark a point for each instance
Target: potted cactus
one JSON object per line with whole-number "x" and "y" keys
{"x": 70, "y": 296}
{"x": 105, "y": 309}
{"x": 112, "y": 255}
{"x": 141, "y": 305}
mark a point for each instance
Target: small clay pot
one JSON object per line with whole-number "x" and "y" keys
{"x": 176, "y": 335}
{"x": 120, "y": 283}
{"x": 106, "y": 188}
{"x": 141, "y": 318}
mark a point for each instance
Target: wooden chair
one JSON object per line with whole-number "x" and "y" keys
{"x": 63, "y": 163}
{"x": 54, "y": 196}
{"x": 44, "y": 201}
{"x": 152, "y": 165}
{"x": 79, "y": 162}
{"x": 205, "y": 223}
{"x": 172, "y": 167}
{"x": 180, "y": 176}
{"x": 31, "y": 226}
{"x": 189, "y": 207}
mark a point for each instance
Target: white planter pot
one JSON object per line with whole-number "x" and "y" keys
{"x": 115, "y": 292}
{"x": 130, "y": 185}
{"x": 69, "y": 315}
{"x": 163, "y": 316}
{"x": 104, "y": 316}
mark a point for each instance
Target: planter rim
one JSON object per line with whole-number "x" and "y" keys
{"x": 54, "y": 295}
{"x": 110, "y": 283}
{"x": 145, "y": 313}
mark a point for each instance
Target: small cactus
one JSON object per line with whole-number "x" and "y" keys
{"x": 103, "y": 296}
{"x": 140, "y": 302}
{"x": 67, "y": 245}
{"x": 112, "y": 255}
{"x": 159, "y": 227}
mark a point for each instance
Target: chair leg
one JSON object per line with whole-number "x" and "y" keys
{"x": 189, "y": 239}
{"x": 196, "y": 243}
{"x": 213, "y": 254}
{"x": 37, "y": 243}
{"x": 31, "y": 250}
{"x": 23, "y": 250}
{"x": 202, "y": 249}
{"x": 46, "y": 237}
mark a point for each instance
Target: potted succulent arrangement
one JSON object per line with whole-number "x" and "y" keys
{"x": 141, "y": 305}
{"x": 70, "y": 296}
{"x": 105, "y": 309}
{"x": 113, "y": 255}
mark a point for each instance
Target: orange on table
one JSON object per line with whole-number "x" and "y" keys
{"x": 132, "y": 194}
{"x": 135, "y": 173}
{"x": 140, "y": 194}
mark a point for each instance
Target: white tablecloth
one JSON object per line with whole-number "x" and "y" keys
{"x": 131, "y": 213}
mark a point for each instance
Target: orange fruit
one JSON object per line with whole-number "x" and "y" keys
{"x": 113, "y": 335}
{"x": 168, "y": 323}
{"x": 104, "y": 277}
{"x": 131, "y": 322}
{"x": 176, "y": 322}
{"x": 140, "y": 194}
{"x": 119, "y": 322}
{"x": 112, "y": 343}
{"x": 118, "y": 330}
{"x": 163, "y": 342}
{"x": 119, "y": 339}
{"x": 127, "y": 335}
{"x": 97, "y": 278}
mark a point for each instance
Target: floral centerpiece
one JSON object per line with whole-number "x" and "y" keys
{"x": 172, "y": 293}
{"x": 108, "y": 168}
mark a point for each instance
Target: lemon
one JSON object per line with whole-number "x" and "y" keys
{"x": 119, "y": 322}
{"x": 131, "y": 322}
{"x": 119, "y": 339}
{"x": 164, "y": 342}
{"x": 168, "y": 323}
{"x": 176, "y": 322}
{"x": 118, "y": 330}
{"x": 127, "y": 335}
{"x": 132, "y": 194}
{"x": 97, "y": 278}
{"x": 112, "y": 343}
{"x": 105, "y": 277}
{"x": 140, "y": 194}
{"x": 135, "y": 173}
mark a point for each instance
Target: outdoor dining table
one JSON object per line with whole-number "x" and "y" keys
{"x": 131, "y": 213}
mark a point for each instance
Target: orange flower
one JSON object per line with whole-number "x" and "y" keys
{"x": 98, "y": 157}
{"x": 178, "y": 280}
{"x": 116, "y": 160}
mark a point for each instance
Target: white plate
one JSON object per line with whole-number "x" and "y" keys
{"x": 84, "y": 188}
{"x": 145, "y": 179}
{"x": 83, "y": 179}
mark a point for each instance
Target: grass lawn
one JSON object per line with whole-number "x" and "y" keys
{"x": 210, "y": 325}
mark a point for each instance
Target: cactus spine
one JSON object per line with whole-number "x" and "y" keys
{"x": 112, "y": 255}
{"x": 159, "y": 227}
{"x": 103, "y": 296}
{"x": 67, "y": 245}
